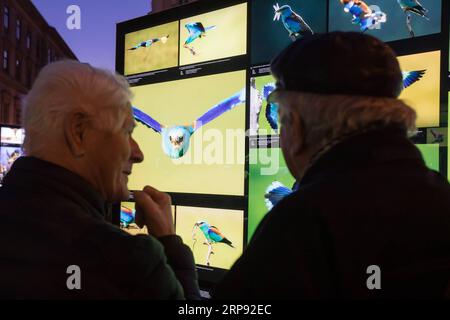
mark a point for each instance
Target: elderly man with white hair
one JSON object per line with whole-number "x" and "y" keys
{"x": 79, "y": 153}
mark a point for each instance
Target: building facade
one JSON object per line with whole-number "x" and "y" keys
{"x": 27, "y": 43}
{"x": 161, "y": 5}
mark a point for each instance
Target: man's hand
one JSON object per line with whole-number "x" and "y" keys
{"x": 154, "y": 210}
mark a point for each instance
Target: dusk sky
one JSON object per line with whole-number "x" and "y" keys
{"x": 95, "y": 43}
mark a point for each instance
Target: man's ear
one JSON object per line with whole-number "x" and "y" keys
{"x": 75, "y": 127}
{"x": 297, "y": 132}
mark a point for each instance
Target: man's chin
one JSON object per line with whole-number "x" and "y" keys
{"x": 122, "y": 195}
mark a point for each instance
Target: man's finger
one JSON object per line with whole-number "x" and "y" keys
{"x": 145, "y": 201}
{"x": 139, "y": 218}
{"x": 157, "y": 195}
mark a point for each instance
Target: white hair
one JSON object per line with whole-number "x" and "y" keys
{"x": 330, "y": 118}
{"x": 67, "y": 86}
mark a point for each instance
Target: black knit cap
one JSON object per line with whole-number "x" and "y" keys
{"x": 339, "y": 63}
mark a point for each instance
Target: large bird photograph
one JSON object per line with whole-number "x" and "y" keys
{"x": 388, "y": 20}
{"x": 192, "y": 132}
{"x": 276, "y": 23}
{"x": 214, "y": 35}
{"x": 269, "y": 181}
{"x": 215, "y": 236}
{"x": 151, "y": 49}
{"x": 422, "y": 74}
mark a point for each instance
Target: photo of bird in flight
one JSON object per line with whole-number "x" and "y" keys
{"x": 196, "y": 30}
{"x": 212, "y": 236}
{"x": 176, "y": 138}
{"x": 412, "y": 6}
{"x": 363, "y": 15}
{"x": 292, "y": 21}
{"x": 150, "y": 42}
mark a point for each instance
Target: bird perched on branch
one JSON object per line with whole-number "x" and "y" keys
{"x": 292, "y": 21}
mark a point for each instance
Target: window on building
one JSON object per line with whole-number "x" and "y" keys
{"x": 6, "y": 17}
{"x": 18, "y": 29}
{"x": 5, "y": 60}
{"x": 28, "y": 40}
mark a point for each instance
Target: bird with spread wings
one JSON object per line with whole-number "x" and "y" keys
{"x": 176, "y": 138}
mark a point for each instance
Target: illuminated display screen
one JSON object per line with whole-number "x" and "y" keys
{"x": 423, "y": 95}
{"x": 215, "y": 236}
{"x": 214, "y": 35}
{"x": 151, "y": 49}
{"x": 210, "y": 160}
{"x": 271, "y": 32}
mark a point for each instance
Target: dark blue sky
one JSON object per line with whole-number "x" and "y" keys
{"x": 95, "y": 43}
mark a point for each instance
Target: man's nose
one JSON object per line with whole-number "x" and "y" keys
{"x": 136, "y": 154}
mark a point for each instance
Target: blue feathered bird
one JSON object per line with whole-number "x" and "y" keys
{"x": 148, "y": 43}
{"x": 196, "y": 30}
{"x": 176, "y": 139}
{"x": 292, "y": 21}
{"x": 271, "y": 108}
{"x": 127, "y": 216}
{"x": 412, "y": 6}
{"x": 276, "y": 191}
{"x": 212, "y": 233}
{"x": 363, "y": 15}
{"x": 410, "y": 77}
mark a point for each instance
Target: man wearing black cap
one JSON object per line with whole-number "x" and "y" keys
{"x": 369, "y": 219}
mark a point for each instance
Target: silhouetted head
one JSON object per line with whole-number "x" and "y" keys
{"x": 339, "y": 63}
